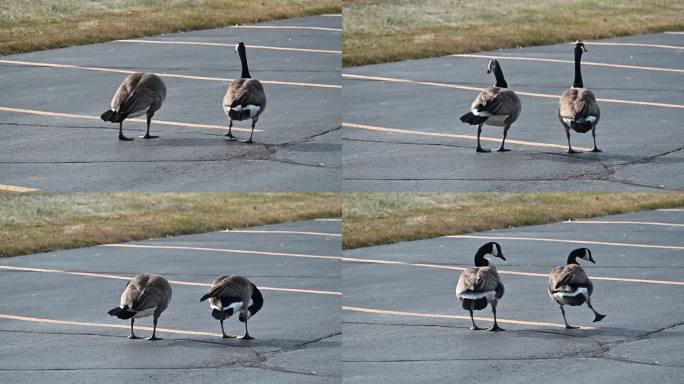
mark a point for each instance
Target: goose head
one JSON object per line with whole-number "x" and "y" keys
{"x": 579, "y": 47}
{"x": 581, "y": 253}
{"x": 492, "y": 65}
{"x": 240, "y": 48}
{"x": 491, "y": 248}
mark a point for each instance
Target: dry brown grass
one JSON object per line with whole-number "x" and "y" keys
{"x": 383, "y": 218}
{"x": 377, "y": 31}
{"x": 41, "y": 222}
{"x": 30, "y": 25}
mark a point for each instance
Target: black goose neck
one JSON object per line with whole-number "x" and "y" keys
{"x": 480, "y": 260}
{"x": 243, "y": 60}
{"x": 578, "y": 71}
{"x": 500, "y": 81}
{"x": 572, "y": 259}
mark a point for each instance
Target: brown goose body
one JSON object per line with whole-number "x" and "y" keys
{"x": 570, "y": 285}
{"x": 145, "y": 295}
{"x": 497, "y": 105}
{"x": 139, "y": 94}
{"x": 233, "y": 294}
{"x": 479, "y": 286}
{"x": 578, "y": 109}
{"x": 245, "y": 98}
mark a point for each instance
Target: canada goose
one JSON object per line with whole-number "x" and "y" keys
{"x": 145, "y": 295}
{"x": 481, "y": 285}
{"x": 229, "y": 294}
{"x": 245, "y": 98}
{"x": 578, "y": 108}
{"x": 569, "y": 284}
{"x": 139, "y": 93}
{"x": 495, "y": 105}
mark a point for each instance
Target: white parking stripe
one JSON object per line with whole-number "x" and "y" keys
{"x": 613, "y": 244}
{"x": 622, "y": 222}
{"x": 283, "y": 232}
{"x": 199, "y": 43}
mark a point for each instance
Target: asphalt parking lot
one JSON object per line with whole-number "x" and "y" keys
{"x": 52, "y": 139}
{"x": 401, "y": 130}
{"x": 55, "y": 327}
{"x": 403, "y": 324}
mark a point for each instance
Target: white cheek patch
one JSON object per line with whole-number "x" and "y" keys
{"x": 587, "y": 255}
{"x": 495, "y": 252}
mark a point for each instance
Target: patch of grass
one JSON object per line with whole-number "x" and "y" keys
{"x": 31, "y": 25}
{"x": 384, "y": 218}
{"x": 42, "y": 222}
{"x": 378, "y": 31}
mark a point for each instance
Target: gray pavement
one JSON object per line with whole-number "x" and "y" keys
{"x": 298, "y": 149}
{"x": 642, "y": 144}
{"x": 403, "y": 323}
{"x": 298, "y": 333}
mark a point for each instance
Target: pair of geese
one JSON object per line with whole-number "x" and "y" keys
{"x": 568, "y": 284}
{"x": 149, "y": 295}
{"x": 500, "y": 106}
{"x": 144, "y": 93}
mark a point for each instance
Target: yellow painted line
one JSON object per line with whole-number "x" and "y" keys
{"x": 87, "y": 117}
{"x": 14, "y": 188}
{"x": 623, "y": 222}
{"x": 169, "y": 75}
{"x": 376, "y": 311}
{"x": 635, "y": 45}
{"x": 223, "y": 250}
{"x": 531, "y": 94}
{"x": 630, "y": 245}
{"x": 284, "y": 232}
{"x": 200, "y": 43}
{"x": 177, "y": 282}
{"x": 590, "y": 63}
{"x": 454, "y": 136}
{"x": 104, "y": 325}
{"x": 288, "y": 27}
{"x": 505, "y": 272}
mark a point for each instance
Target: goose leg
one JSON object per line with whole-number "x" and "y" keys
{"x": 121, "y": 135}
{"x": 593, "y": 134}
{"x": 246, "y": 336}
{"x": 495, "y": 327}
{"x": 479, "y": 147}
{"x": 132, "y": 336}
{"x": 505, "y": 132}
{"x": 224, "y": 332}
{"x": 154, "y": 331}
{"x": 597, "y": 316}
{"x": 567, "y": 134}
{"x": 230, "y": 129}
{"x": 147, "y": 133}
{"x": 474, "y": 327}
{"x": 567, "y": 326}
{"x": 249, "y": 141}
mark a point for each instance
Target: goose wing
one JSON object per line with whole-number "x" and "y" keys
{"x": 568, "y": 278}
{"x": 243, "y": 92}
{"x": 497, "y": 101}
{"x": 482, "y": 279}
{"x": 578, "y": 103}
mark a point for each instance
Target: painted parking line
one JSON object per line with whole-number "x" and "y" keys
{"x": 224, "y": 250}
{"x": 522, "y": 93}
{"x": 289, "y": 27}
{"x": 671, "y": 210}
{"x": 623, "y": 222}
{"x": 613, "y": 244}
{"x": 590, "y": 63}
{"x": 675, "y": 33}
{"x": 377, "y": 311}
{"x": 375, "y": 128}
{"x": 88, "y": 117}
{"x": 104, "y": 325}
{"x": 176, "y": 282}
{"x": 505, "y": 272}
{"x": 326, "y": 234}
{"x": 161, "y": 74}
{"x": 200, "y": 43}
{"x": 646, "y": 45}
{"x": 14, "y": 188}
{"x": 333, "y": 219}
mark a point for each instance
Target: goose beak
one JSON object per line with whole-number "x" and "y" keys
{"x": 502, "y": 257}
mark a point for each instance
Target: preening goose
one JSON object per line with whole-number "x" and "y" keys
{"x": 570, "y": 285}
{"x": 481, "y": 285}
{"x": 145, "y": 295}
{"x": 139, "y": 93}
{"x": 497, "y": 105}
{"x": 245, "y": 98}
{"x": 578, "y": 109}
{"x": 230, "y": 294}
